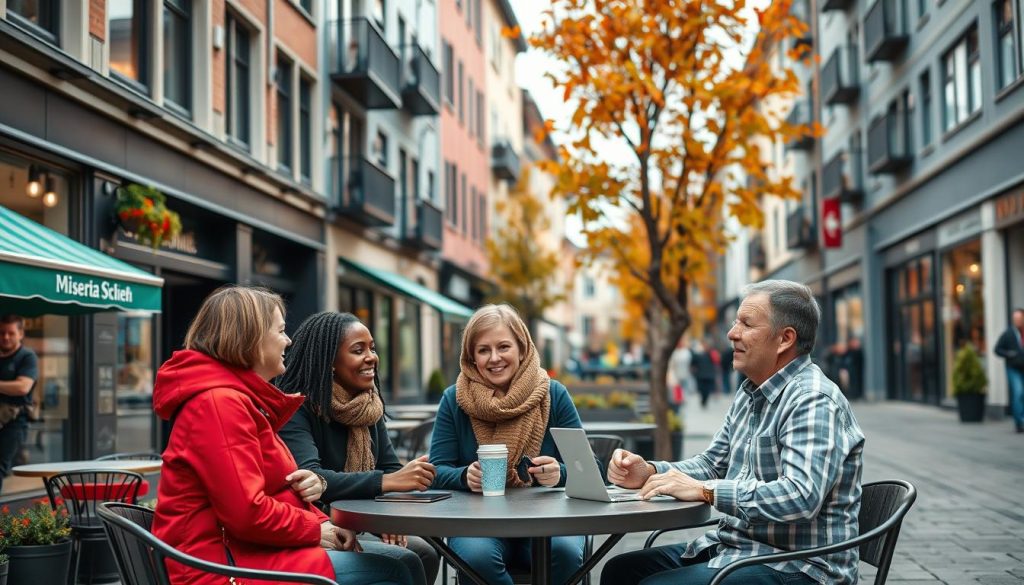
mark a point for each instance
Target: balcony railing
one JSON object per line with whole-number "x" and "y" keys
{"x": 800, "y": 229}
{"x": 841, "y": 178}
{"x": 885, "y": 30}
{"x": 889, "y": 143}
{"x": 801, "y": 115}
{"x": 365, "y": 192}
{"x": 363, "y": 64}
{"x": 836, "y": 4}
{"x": 427, "y": 231}
{"x": 840, "y": 83}
{"x": 504, "y": 161}
{"x": 755, "y": 251}
{"x": 421, "y": 89}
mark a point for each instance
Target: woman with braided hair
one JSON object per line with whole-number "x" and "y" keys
{"x": 503, "y": 395}
{"x": 339, "y": 433}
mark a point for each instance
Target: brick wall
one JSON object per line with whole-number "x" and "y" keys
{"x": 98, "y": 19}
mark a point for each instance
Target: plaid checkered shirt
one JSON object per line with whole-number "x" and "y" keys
{"x": 789, "y": 461}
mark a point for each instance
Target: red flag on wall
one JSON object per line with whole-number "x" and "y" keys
{"x": 831, "y": 223}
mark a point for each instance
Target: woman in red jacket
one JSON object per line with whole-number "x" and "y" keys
{"x": 230, "y": 491}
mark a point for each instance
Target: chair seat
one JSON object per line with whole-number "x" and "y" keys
{"x": 99, "y": 491}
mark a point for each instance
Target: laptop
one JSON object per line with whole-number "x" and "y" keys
{"x": 583, "y": 476}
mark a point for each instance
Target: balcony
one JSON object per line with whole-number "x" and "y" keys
{"x": 841, "y": 178}
{"x": 801, "y": 115}
{"x": 363, "y": 65}
{"x": 504, "y": 161}
{"x": 427, "y": 231}
{"x": 755, "y": 253}
{"x": 885, "y": 30}
{"x": 800, "y": 229}
{"x": 367, "y": 193}
{"x": 839, "y": 77}
{"x": 421, "y": 90}
{"x": 889, "y": 143}
{"x": 836, "y": 5}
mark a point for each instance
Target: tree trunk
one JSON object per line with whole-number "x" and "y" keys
{"x": 662, "y": 337}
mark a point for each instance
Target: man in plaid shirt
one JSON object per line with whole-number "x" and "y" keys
{"x": 785, "y": 468}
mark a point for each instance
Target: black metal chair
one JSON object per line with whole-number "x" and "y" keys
{"x": 142, "y": 557}
{"x": 883, "y": 505}
{"x": 417, "y": 439}
{"x": 132, "y": 456}
{"x": 80, "y": 493}
{"x": 603, "y": 446}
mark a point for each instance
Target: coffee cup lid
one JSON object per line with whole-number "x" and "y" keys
{"x": 496, "y": 447}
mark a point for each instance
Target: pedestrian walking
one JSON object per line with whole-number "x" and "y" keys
{"x": 704, "y": 372}
{"x": 19, "y": 370}
{"x": 1010, "y": 347}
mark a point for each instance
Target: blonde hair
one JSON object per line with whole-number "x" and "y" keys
{"x": 232, "y": 322}
{"x": 489, "y": 317}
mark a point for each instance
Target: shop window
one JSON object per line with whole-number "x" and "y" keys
{"x": 134, "y": 383}
{"x": 239, "y": 104}
{"x": 408, "y": 319}
{"x": 284, "y": 113}
{"x": 39, "y": 16}
{"x": 129, "y": 40}
{"x": 963, "y": 311}
{"x": 178, "y": 54}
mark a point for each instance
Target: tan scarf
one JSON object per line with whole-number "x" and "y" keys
{"x": 519, "y": 419}
{"x": 358, "y": 413}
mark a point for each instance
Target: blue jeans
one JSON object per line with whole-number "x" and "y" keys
{"x": 1016, "y": 379}
{"x": 366, "y": 568}
{"x": 407, "y": 556}
{"x": 491, "y": 556}
{"x": 665, "y": 565}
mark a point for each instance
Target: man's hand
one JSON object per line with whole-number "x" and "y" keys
{"x": 395, "y": 539}
{"x": 348, "y": 541}
{"x": 307, "y": 484}
{"x": 416, "y": 475}
{"x": 673, "y": 483}
{"x": 546, "y": 470}
{"x": 475, "y": 477}
{"x": 628, "y": 470}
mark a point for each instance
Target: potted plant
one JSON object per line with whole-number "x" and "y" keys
{"x": 435, "y": 386}
{"x": 969, "y": 384}
{"x": 143, "y": 212}
{"x": 38, "y": 543}
{"x": 4, "y": 561}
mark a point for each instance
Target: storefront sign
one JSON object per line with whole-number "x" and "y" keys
{"x": 1010, "y": 208}
{"x": 959, "y": 228}
{"x": 104, "y": 290}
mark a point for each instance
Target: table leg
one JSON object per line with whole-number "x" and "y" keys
{"x": 595, "y": 558}
{"x": 540, "y": 550}
{"x": 445, "y": 551}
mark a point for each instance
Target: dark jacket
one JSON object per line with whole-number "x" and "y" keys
{"x": 1009, "y": 348}
{"x": 322, "y": 447}
{"x": 222, "y": 481}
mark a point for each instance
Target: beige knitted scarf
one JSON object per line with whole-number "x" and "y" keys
{"x": 519, "y": 419}
{"x": 358, "y": 413}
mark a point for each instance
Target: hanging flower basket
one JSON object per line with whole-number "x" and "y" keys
{"x": 143, "y": 212}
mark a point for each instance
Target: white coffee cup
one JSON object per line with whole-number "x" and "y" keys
{"x": 493, "y": 464}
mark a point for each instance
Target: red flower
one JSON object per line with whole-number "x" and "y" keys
{"x": 25, "y": 522}
{"x": 5, "y": 510}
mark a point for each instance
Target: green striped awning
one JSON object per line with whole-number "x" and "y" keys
{"x": 44, "y": 272}
{"x": 408, "y": 288}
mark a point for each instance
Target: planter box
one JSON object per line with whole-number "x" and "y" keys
{"x": 39, "y": 564}
{"x": 606, "y": 414}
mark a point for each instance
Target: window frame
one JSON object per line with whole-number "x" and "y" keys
{"x": 305, "y": 127}
{"x": 144, "y": 81}
{"x": 283, "y": 92}
{"x": 238, "y": 128}
{"x": 961, "y": 72}
{"x": 181, "y": 9}
{"x": 924, "y": 81}
{"x": 1002, "y": 30}
{"x": 449, "y": 73}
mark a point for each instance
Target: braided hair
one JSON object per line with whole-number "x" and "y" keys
{"x": 309, "y": 363}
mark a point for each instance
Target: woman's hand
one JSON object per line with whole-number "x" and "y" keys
{"x": 546, "y": 470}
{"x": 416, "y": 475}
{"x": 475, "y": 477}
{"x": 395, "y": 539}
{"x": 329, "y": 536}
{"x": 348, "y": 540}
{"x": 307, "y": 484}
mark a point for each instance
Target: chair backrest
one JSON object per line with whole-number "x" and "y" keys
{"x": 416, "y": 438}
{"x": 883, "y": 505}
{"x": 80, "y": 492}
{"x": 603, "y": 446}
{"x": 132, "y": 455}
{"x": 141, "y": 557}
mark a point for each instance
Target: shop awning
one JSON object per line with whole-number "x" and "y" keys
{"x": 44, "y": 272}
{"x": 408, "y": 288}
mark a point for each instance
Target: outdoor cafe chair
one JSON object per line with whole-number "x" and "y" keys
{"x": 142, "y": 557}
{"x": 883, "y": 505}
{"x": 80, "y": 493}
{"x": 132, "y": 456}
{"x": 417, "y": 439}
{"x": 603, "y": 446}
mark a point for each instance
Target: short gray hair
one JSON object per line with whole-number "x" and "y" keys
{"x": 792, "y": 305}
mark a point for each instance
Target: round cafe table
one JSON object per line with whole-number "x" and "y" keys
{"x": 534, "y": 513}
{"x": 45, "y": 470}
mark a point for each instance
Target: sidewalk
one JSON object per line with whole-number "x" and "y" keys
{"x": 966, "y": 527}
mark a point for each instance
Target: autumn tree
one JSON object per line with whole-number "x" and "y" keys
{"x": 671, "y": 101}
{"x": 524, "y": 270}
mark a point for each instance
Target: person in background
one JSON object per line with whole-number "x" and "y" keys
{"x": 727, "y": 384}
{"x": 230, "y": 491}
{"x": 704, "y": 372}
{"x": 679, "y": 366}
{"x": 503, "y": 396}
{"x": 19, "y": 370}
{"x": 1010, "y": 347}
{"x": 340, "y": 434}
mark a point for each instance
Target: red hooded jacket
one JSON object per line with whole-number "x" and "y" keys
{"x": 222, "y": 481}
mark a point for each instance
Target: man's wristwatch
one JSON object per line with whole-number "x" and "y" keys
{"x": 708, "y": 488}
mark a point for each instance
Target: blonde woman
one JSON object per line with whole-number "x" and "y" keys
{"x": 502, "y": 395}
